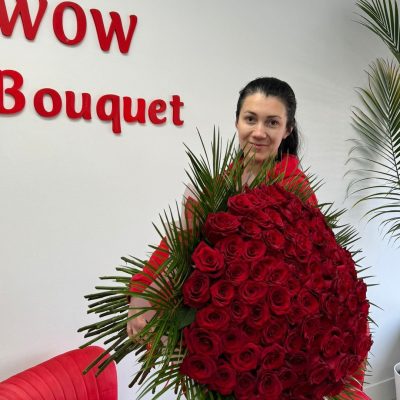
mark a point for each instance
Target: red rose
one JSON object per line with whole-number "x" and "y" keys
{"x": 354, "y": 364}
{"x": 287, "y": 377}
{"x": 296, "y": 313}
{"x": 292, "y": 284}
{"x": 247, "y": 358}
{"x": 318, "y": 231}
{"x": 195, "y": 290}
{"x": 277, "y": 272}
{"x": 259, "y": 314}
{"x": 220, "y": 225}
{"x": 339, "y": 365}
{"x": 269, "y": 385}
{"x": 245, "y": 386}
{"x": 319, "y": 371}
{"x": 275, "y": 330}
{"x": 279, "y": 299}
{"x": 231, "y": 247}
{"x": 299, "y": 390}
{"x": 314, "y": 343}
{"x": 348, "y": 342}
{"x": 300, "y": 248}
{"x": 331, "y": 344}
{"x": 259, "y": 269}
{"x": 344, "y": 318}
{"x": 352, "y": 303}
{"x": 254, "y": 335}
{"x": 328, "y": 269}
{"x": 276, "y": 195}
{"x": 274, "y": 239}
{"x": 364, "y": 307}
{"x": 198, "y": 367}
{"x": 208, "y": 260}
{"x": 275, "y": 218}
{"x": 272, "y": 357}
{"x": 330, "y": 251}
{"x": 327, "y": 388}
{"x": 213, "y": 318}
{"x": 311, "y": 326}
{"x": 243, "y": 203}
{"x": 239, "y": 311}
{"x": 297, "y": 360}
{"x": 361, "y": 289}
{"x": 307, "y": 300}
{"x": 363, "y": 346}
{"x": 254, "y": 250}
{"x": 294, "y": 342}
{"x": 263, "y": 219}
{"x": 343, "y": 284}
{"x": 250, "y": 229}
{"x": 293, "y": 209}
{"x": 233, "y": 339}
{"x": 224, "y": 379}
{"x": 252, "y": 292}
{"x": 330, "y": 304}
{"x": 316, "y": 282}
{"x": 222, "y": 293}
{"x": 237, "y": 272}
{"x": 202, "y": 341}
{"x": 361, "y": 325}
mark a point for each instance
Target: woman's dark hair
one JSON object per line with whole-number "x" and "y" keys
{"x": 280, "y": 89}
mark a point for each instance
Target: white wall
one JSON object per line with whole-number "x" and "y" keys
{"x": 74, "y": 197}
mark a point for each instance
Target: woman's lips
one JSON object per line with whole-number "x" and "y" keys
{"x": 258, "y": 146}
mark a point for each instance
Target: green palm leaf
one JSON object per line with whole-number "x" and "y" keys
{"x": 382, "y": 18}
{"x": 375, "y": 154}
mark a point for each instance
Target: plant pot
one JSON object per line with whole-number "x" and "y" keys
{"x": 397, "y": 380}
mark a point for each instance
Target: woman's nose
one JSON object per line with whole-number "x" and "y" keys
{"x": 259, "y": 131}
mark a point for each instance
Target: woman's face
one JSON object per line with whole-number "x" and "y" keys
{"x": 261, "y": 126}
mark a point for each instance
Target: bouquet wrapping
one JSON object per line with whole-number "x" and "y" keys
{"x": 258, "y": 295}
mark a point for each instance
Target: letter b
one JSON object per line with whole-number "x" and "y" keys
{"x": 13, "y": 91}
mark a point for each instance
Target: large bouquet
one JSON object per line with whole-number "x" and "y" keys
{"x": 257, "y": 299}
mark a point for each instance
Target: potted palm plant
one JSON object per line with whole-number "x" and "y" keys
{"x": 375, "y": 155}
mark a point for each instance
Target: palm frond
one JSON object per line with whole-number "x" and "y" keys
{"x": 375, "y": 156}
{"x": 382, "y": 18}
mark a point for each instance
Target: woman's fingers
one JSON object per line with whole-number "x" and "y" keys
{"x": 136, "y": 324}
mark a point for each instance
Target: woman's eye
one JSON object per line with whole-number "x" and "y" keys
{"x": 273, "y": 122}
{"x": 249, "y": 119}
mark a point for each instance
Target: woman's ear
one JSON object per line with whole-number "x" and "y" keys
{"x": 288, "y": 132}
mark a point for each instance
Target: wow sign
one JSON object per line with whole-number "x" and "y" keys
{"x": 109, "y": 107}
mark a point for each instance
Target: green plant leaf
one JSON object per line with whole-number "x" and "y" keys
{"x": 375, "y": 156}
{"x": 185, "y": 316}
{"x": 382, "y": 18}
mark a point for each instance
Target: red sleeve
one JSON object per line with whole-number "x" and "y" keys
{"x": 143, "y": 279}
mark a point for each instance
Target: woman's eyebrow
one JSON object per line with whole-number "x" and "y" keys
{"x": 269, "y": 116}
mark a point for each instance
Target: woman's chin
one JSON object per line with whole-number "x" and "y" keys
{"x": 260, "y": 158}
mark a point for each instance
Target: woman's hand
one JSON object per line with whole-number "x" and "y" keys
{"x": 135, "y": 325}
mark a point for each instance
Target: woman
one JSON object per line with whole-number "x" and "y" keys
{"x": 266, "y": 126}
